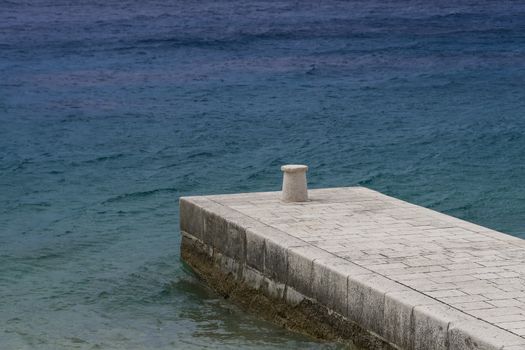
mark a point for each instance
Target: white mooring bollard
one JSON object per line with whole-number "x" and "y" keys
{"x": 294, "y": 183}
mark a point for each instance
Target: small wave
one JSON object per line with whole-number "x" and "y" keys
{"x": 236, "y": 38}
{"x": 76, "y": 340}
{"x": 37, "y": 206}
{"x": 48, "y": 256}
{"x": 372, "y": 178}
{"x": 201, "y": 155}
{"x": 257, "y": 175}
{"x": 138, "y": 195}
{"x": 8, "y": 2}
{"x": 104, "y": 158}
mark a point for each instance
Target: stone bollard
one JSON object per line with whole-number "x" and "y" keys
{"x": 294, "y": 183}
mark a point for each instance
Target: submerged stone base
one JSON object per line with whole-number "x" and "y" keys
{"x": 273, "y": 302}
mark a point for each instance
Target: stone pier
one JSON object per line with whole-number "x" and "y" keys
{"x": 382, "y": 272}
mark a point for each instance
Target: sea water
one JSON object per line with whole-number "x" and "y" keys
{"x": 112, "y": 110}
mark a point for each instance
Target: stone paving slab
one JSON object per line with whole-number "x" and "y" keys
{"x": 418, "y": 278}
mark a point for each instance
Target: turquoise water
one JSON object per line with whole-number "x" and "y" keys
{"x": 112, "y": 110}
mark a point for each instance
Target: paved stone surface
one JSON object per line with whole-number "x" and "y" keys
{"x": 472, "y": 270}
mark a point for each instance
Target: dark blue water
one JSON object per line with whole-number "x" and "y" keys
{"x": 111, "y": 110}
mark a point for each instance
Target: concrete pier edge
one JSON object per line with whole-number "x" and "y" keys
{"x": 291, "y": 269}
{"x": 263, "y": 297}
